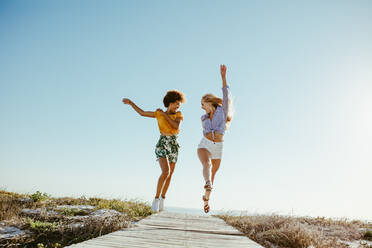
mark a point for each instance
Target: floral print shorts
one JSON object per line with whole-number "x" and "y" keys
{"x": 167, "y": 147}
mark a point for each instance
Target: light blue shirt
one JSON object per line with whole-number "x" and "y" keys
{"x": 218, "y": 122}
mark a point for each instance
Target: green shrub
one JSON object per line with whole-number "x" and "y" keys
{"x": 73, "y": 212}
{"x": 41, "y": 226}
{"x": 38, "y": 196}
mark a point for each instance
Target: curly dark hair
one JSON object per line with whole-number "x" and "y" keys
{"x": 173, "y": 96}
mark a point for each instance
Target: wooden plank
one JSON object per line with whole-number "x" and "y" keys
{"x": 167, "y": 229}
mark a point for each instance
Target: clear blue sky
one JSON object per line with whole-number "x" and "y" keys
{"x": 300, "y": 73}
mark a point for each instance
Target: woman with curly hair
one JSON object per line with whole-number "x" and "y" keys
{"x": 217, "y": 118}
{"x": 167, "y": 147}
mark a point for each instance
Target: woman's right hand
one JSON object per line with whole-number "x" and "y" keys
{"x": 126, "y": 101}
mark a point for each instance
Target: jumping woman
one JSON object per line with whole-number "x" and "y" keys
{"x": 217, "y": 118}
{"x": 166, "y": 149}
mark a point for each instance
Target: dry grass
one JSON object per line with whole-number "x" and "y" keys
{"x": 11, "y": 204}
{"x": 297, "y": 232}
{"x": 60, "y": 230}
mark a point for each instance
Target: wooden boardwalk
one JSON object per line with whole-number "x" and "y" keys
{"x": 167, "y": 229}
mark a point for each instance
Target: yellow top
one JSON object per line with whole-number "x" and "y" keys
{"x": 164, "y": 125}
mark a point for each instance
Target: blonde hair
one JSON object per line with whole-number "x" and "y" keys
{"x": 216, "y": 101}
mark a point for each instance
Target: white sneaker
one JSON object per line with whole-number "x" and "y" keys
{"x": 155, "y": 205}
{"x": 161, "y": 204}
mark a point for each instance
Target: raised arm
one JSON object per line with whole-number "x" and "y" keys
{"x": 138, "y": 110}
{"x": 225, "y": 91}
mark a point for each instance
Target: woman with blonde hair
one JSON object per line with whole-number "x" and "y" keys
{"x": 217, "y": 118}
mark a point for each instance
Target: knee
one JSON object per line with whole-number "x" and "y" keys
{"x": 165, "y": 173}
{"x": 207, "y": 164}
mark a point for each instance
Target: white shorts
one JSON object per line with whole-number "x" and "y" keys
{"x": 215, "y": 148}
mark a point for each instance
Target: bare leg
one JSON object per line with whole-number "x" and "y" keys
{"x": 163, "y": 162}
{"x": 206, "y": 162}
{"x": 204, "y": 157}
{"x": 215, "y": 166}
{"x": 167, "y": 181}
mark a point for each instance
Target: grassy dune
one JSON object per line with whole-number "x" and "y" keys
{"x": 301, "y": 232}
{"x": 58, "y": 230}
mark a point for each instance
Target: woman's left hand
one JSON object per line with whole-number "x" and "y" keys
{"x": 223, "y": 70}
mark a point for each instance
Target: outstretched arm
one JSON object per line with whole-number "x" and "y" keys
{"x": 138, "y": 110}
